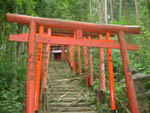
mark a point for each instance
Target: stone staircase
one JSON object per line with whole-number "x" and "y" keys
{"x": 65, "y": 96}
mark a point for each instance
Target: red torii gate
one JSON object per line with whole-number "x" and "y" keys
{"x": 73, "y": 33}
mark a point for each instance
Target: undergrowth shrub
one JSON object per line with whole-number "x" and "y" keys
{"x": 12, "y": 84}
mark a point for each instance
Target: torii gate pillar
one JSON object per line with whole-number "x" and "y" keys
{"x": 31, "y": 69}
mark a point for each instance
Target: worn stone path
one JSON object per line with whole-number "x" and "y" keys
{"x": 65, "y": 95}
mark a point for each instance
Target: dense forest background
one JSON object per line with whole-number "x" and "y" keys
{"x": 13, "y": 55}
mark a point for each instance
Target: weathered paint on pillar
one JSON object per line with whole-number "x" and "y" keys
{"x": 90, "y": 65}
{"x": 111, "y": 77}
{"x": 38, "y": 70}
{"x": 75, "y": 55}
{"x": 74, "y": 65}
{"x": 46, "y": 54}
{"x": 67, "y": 53}
{"x": 30, "y": 106}
{"x": 63, "y": 52}
{"x": 79, "y": 35}
{"x": 128, "y": 75}
{"x": 101, "y": 67}
{"x": 75, "y": 61}
{"x": 86, "y": 66}
{"x": 71, "y": 56}
{"x": 79, "y": 61}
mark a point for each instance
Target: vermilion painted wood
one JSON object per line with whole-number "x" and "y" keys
{"x": 128, "y": 75}
{"x": 79, "y": 35}
{"x": 30, "y": 106}
{"x": 70, "y": 41}
{"x": 79, "y": 59}
{"x": 69, "y": 48}
{"x": 71, "y": 57}
{"x": 111, "y": 76}
{"x": 24, "y": 37}
{"x": 91, "y": 65}
{"x": 72, "y": 25}
{"x": 38, "y": 70}
{"x": 75, "y": 55}
{"x": 67, "y": 53}
{"x": 60, "y": 32}
{"x": 86, "y": 27}
{"x": 63, "y": 52}
{"x": 86, "y": 66}
{"x": 46, "y": 54}
{"x": 42, "y": 72}
{"x": 65, "y": 48}
{"x": 75, "y": 60}
{"x": 101, "y": 68}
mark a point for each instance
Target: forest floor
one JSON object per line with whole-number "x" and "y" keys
{"x": 65, "y": 93}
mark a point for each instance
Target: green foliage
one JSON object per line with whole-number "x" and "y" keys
{"x": 12, "y": 83}
{"x": 13, "y": 67}
{"x": 122, "y": 22}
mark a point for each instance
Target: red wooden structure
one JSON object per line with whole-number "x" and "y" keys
{"x": 72, "y": 34}
{"x": 58, "y": 52}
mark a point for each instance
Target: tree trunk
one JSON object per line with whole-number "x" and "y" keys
{"x": 101, "y": 10}
{"x": 115, "y": 10}
{"x": 91, "y": 17}
{"x": 126, "y": 7}
{"x": 148, "y": 14}
{"x": 100, "y": 95}
{"x": 120, "y": 10}
{"x": 137, "y": 12}
{"x": 18, "y": 48}
{"x": 148, "y": 19}
{"x": 137, "y": 18}
{"x": 111, "y": 8}
{"x": 106, "y": 21}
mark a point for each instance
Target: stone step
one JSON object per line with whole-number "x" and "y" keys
{"x": 65, "y": 93}
{"x": 60, "y": 80}
{"x": 59, "y": 70}
{"x": 60, "y": 84}
{"x": 76, "y": 112}
{"x": 64, "y": 96}
{"x": 66, "y": 99}
{"x": 59, "y": 74}
{"x": 67, "y": 96}
{"x": 64, "y": 90}
{"x": 71, "y": 109}
{"x": 55, "y": 74}
{"x": 66, "y": 104}
{"x": 63, "y": 87}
